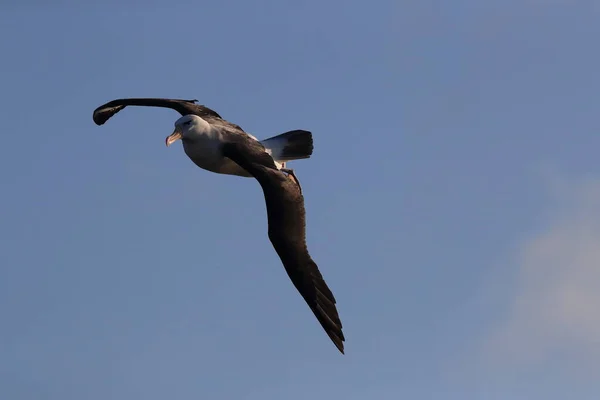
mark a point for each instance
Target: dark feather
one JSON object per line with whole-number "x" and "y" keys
{"x": 287, "y": 232}
{"x": 183, "y": 107}
{"x": 299, "y": 144}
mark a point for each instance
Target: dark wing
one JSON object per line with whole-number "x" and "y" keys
{"x": 183, "y": 107}
{"x": 287, "y": 232}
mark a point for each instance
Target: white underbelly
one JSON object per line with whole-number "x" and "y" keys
{"x": 207, "y": 155}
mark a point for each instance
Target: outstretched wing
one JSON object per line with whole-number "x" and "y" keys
{"x": 287, "y": 232}
{"x": 183, "y": 107}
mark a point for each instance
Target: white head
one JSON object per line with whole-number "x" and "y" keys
{"x": 188, "y": 127}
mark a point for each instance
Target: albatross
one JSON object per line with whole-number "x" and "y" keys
{"x": 216, "y": 145}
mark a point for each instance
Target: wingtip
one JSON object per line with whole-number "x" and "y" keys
{"x": 105, "y": 112}
{"x": 338, "y": 342}
{"x": 97, "y": 120}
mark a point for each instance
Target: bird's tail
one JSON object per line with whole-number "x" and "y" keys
{"x": 292, "y": 145}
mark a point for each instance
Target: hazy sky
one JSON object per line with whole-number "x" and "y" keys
{"x": 453, "y": 201}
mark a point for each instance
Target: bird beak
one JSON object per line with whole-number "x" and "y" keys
{"x": 173, "y": 137}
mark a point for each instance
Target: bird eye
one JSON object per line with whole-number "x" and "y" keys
{"x": 187, "y": 122}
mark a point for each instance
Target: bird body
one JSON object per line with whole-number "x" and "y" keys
{"x": 202, "y": 142}
{"x": 207, "y": 155}
{"x": 217, "y": 145}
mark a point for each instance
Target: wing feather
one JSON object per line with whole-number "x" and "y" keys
{"x": 183, "y": 107}
{"x": 287, "y": 233}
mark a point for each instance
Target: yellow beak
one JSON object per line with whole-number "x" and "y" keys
{"x": 173, "y": 137}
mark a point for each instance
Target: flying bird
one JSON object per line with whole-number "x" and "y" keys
{"x": 219, "y": 146}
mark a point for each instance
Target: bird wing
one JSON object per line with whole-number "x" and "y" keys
{"x": 183, "y": 107}
{"x": 287, "y": 231}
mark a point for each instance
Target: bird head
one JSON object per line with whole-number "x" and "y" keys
{"x": 187, "y": 127}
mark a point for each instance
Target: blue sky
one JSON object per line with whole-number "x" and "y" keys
{"x": 452, "y": 198}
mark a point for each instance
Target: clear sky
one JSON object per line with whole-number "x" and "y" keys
{"x": 453, "y": 201}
